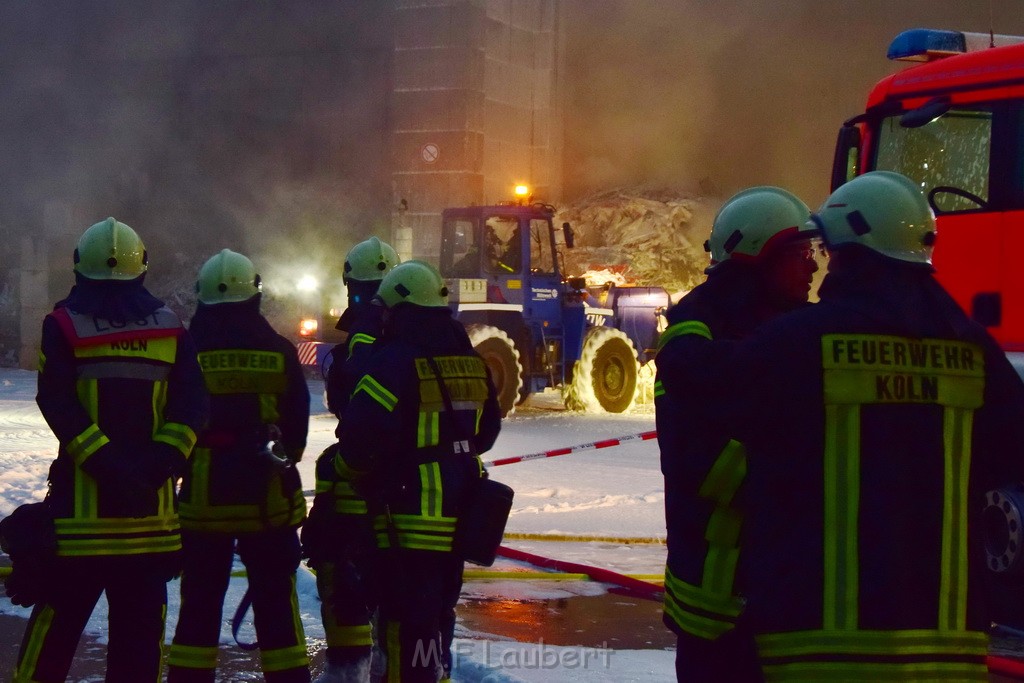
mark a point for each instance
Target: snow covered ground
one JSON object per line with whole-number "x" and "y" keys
{"x": 611, "y": 493}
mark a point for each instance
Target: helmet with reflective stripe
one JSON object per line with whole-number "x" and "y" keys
{"x": 754, "y": 218}
{"x": 413, "y": 282}
{"x": 884, "y": 211}
{"x": 369, "y": 261}
{"x": 227, "y": 277}
{"x": 110, "y": 250}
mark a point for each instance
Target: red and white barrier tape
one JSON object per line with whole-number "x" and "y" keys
{"x": 605, "y": 443}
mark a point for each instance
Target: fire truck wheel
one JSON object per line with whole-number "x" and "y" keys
{"x": 1001, "y": 520}
{"x": 502, "y": 359}
{"x": 604, "y": 379}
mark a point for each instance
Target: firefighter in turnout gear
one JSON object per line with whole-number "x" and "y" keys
{"x": 366, "y": 264}
{"x": 337, "y": 539}
{"x": 410, "y": 442}
{"x": 874, "y": 423}
{"x": 240, "y": 491}
{"x": 120, "y": 387}
{"x": 761, "y": 266}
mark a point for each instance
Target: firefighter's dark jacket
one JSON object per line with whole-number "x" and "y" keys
{"x": 702, "y": 467}
{"x": 255, "y": 381}
{"x": 363, "y": 322}
{"x": 874, "y": 422}
{"x": 399, "y": 444}
{"x": 121, "y": 389}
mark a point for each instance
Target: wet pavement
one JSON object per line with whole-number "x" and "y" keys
{"x": 236, "y": 665}
{"x": 609, "y": 620}
{"x": 612, "y": 621}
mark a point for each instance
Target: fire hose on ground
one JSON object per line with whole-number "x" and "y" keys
{"x": 638, "y": 587}
{"x": 634, "y": 586}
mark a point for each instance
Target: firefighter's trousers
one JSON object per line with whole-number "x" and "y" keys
{"x": 418, "y": 593}
{"x": 137, "y": 603}
{"x": 270, "y": 559}
{"x": 731, "y": 657}
{"x": 346, "y": 604}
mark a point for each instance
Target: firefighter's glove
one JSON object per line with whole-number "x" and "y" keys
{"x": 28, "y": 536}
{"x": 277, "y": 447}
{"x": 316, "y": 535}
{"x": 163, "y": 462}
{"x": 281, "y": 451}
{"x": 134, "y": 495}
{"x": 106, "y": 464}
{"x": 271, "y": 460}
{"x": 27, "y": 583}
{"x": 123, "y": 479}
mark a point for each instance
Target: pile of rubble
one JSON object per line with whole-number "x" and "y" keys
{"x": 640, "y": 236}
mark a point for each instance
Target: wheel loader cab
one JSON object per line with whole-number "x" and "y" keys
{"x": 511, "y": 247}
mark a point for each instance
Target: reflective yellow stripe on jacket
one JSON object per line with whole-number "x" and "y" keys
{"x": 377, "y": 392}
{"x": 240, "y": 371}
{"x": 150, "y": 359}
{"x": 871, "y": 369}
{"x": 677, "y": 330}
{"x": 865, "y": 655}
{"x": 428, "y": 530}
{"x": 346, "y": 500}
{"x": 880, "y": 369}
{"x": 465, "y": 381}
{"x": 711, "y": 609}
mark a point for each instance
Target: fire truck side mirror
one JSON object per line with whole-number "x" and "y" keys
{"x": 987, "y": 308}
{"x": 577, "y": 284}
{"x": 846, "y": 162}
{"x": 570, "y": 236}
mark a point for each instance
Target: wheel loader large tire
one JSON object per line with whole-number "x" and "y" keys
{"x": 502, "y": 359}
{"x": 604, "y": 379}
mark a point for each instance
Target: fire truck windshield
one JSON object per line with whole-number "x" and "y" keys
{"x": 953, "y": 151}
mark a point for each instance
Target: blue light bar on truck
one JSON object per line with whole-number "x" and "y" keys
{"x": 924, "y": 44}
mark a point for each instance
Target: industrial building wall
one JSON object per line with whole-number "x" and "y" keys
{"x": 475, "y": 109}
{"x": 262, "y": 127}
{"x": 289, "y": 131}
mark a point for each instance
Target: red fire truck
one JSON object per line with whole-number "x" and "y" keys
{"x": 955, "y": 124}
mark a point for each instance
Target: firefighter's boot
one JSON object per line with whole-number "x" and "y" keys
{"x": 357, "y": 671}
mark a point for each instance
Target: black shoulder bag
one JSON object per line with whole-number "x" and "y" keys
{"x": 28, "y": 536}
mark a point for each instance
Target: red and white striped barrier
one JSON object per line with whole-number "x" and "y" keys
{"x": 307, "y": 352}
{"x": 643, "y": 436}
